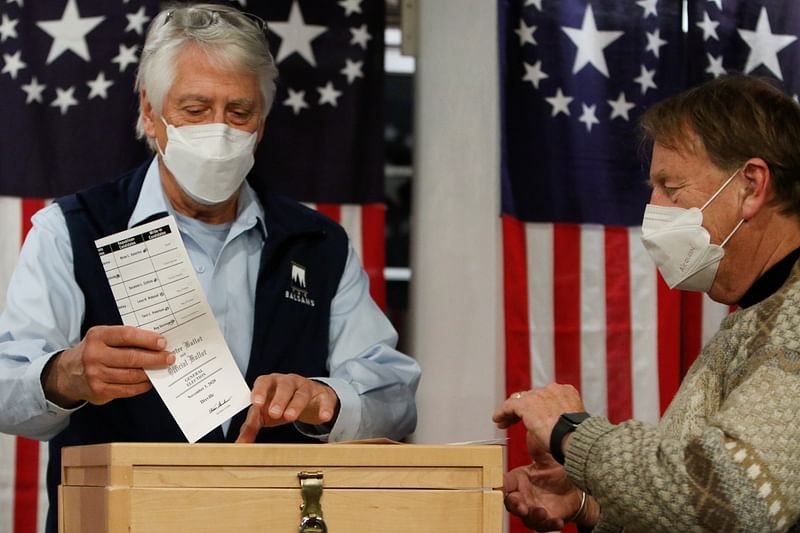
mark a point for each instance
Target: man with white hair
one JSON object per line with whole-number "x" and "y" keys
{"x": 72, "y": 374}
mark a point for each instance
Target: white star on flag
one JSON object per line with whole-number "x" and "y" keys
{"x": 654, "y": 42}
{"x": 296, "y": 36}
{"x": 645, "y": 79}
{"x": 537, "y": 3}
{"x": 765, "y": 45}
{"x": 591, "y": 42}
{"x": 709, "y": 27}
{"x": 588, "y": 116}
{"x": 69, "y": 33}
{"x": 14, "y": 64}
{"x": 34, "y": 91}
{"x": 99, "y": 87}
{"x": 8, "y": 28}
{"x": 296, "y": 100}
{"x": 350, "y": 6}
{"x": 64, "y": 99}
{"x": 126, "y": 56}
{"x": 525, "y": 33}
{"x": 715, "y": 66}
{"x": 649, "y": 7}
{"x": 360, "y": 36}
{"x": 620, "y": 107}
{"x": 352, "y": 70}
{"x": 560, "y": 103}
{"x": 328, "y": 95}
{"x": 534, "y": 74}
{"x": 136, "y": 21}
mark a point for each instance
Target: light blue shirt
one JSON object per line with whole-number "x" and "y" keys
{"x": 45, "y": 307}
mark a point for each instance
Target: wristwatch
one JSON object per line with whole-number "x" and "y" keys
{"x": 567, "y": 423}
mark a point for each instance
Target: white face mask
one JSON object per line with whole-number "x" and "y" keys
{"x": 209, "y": 161}
{"x": 681, "y": 247}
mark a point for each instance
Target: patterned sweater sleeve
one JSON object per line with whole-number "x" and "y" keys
{"x": 740, "y": 472}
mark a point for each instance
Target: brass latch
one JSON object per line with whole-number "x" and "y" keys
{"x": 311, "y": 520}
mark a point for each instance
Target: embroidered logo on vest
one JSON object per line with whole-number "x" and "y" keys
{"x": 299, "y": 275}
{"x": 297, "y": 290}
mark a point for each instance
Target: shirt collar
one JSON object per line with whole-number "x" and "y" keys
{"x": 152, "y": 201}
{"x": 769, "y": 282}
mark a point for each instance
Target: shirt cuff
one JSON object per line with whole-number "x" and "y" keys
{"x": 53, "y": 410}
{"x": 348, "y": 421}
{"x": 56, "y": 410}
{"x": 37, "y": 417}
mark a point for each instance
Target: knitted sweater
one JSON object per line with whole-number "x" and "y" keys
{"x": 726, "y": 454}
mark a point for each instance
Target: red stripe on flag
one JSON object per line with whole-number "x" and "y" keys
{"x": 692, "y": 327}
{"x": 567, "y": 303}
{"x": 669, "y": 345}
{"x": 518, "y": 336}
{"x": 26, "y": 486}
{"x": 26, "y": 479}
{"x": 618, "y": 325}
{"x": 332, "y": 211}
{"x": 374, "y": 254}
{"x": 517, "y": 332}
{"x": 29, "y": 207}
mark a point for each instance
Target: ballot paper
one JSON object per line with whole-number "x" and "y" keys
{"x": 155, "y": 288}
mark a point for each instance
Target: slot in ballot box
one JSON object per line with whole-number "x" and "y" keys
{"x": 276, "y": 488}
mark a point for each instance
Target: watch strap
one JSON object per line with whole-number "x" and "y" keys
{"x": 567, "y": 423}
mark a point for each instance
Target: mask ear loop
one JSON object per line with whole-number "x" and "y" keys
{"x": 160, "y": 151}
{"x": 722, "y": 188}
{"x": 158, "y": 147}
{"x": 168, "y": 126}
{"x": 739, "y": 225}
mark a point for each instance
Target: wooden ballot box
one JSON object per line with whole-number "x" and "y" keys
{"x": 277, "y": 488}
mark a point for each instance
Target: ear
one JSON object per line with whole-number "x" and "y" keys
{"x": 148, "y": 118}
{"x": 757, "y": 190}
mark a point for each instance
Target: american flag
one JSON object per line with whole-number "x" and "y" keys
{"x": 66, "y": 93}
{"x": 323, "y": 142}
{"x": 584, "y": 303}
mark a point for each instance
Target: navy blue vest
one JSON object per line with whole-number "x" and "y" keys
{"x": 289, "y": 336}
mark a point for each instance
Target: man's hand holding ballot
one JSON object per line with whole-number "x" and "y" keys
{"x": 108, "y": 363}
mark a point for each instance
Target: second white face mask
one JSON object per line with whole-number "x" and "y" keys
{"x": 681, "y": 247}
{"x": 209, "y": 161}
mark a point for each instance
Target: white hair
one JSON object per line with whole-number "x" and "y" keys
{"x": 229, "y": 37}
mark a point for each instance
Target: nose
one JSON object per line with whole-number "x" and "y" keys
{"x": 219, "y": 115}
